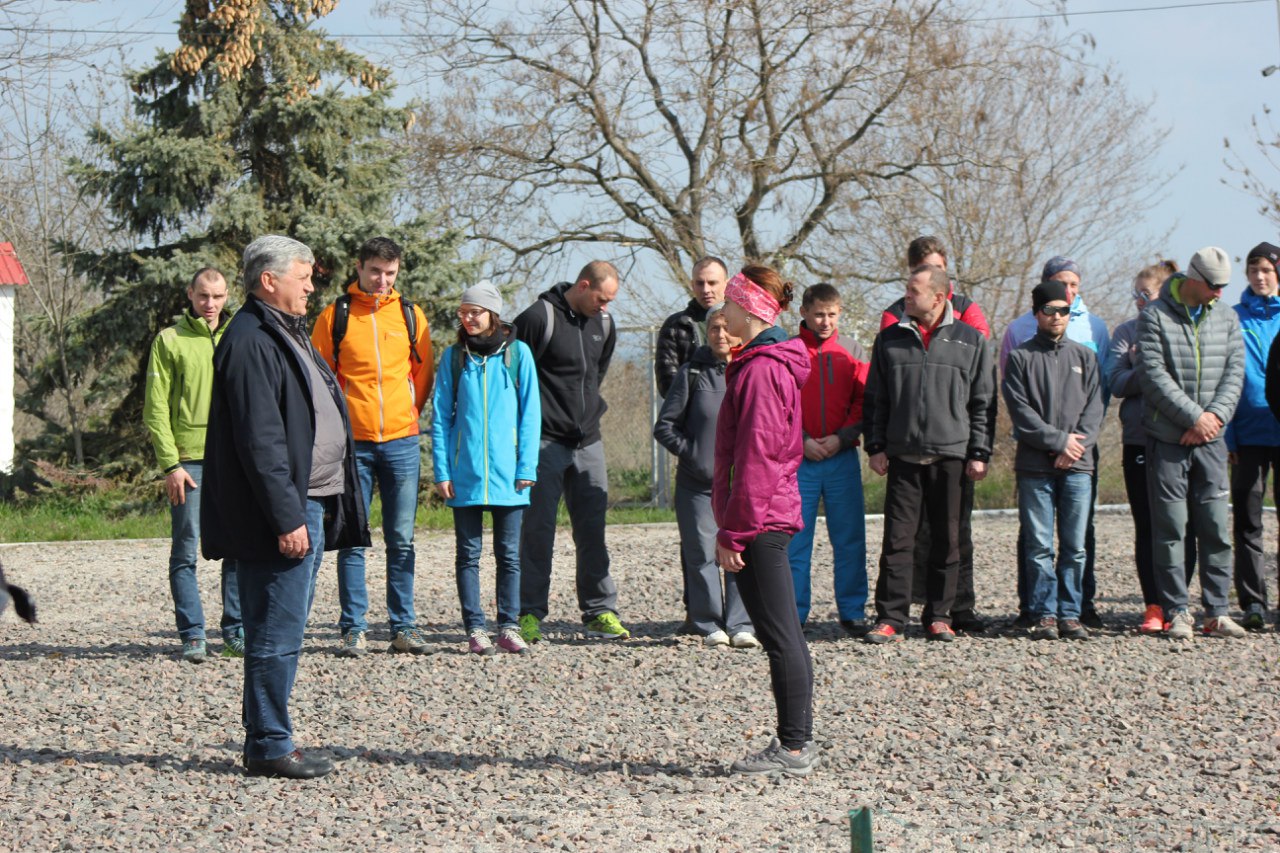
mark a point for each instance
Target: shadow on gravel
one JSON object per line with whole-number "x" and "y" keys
{"x": 164, "y": 761}
{"x": 467, "y": 762}
{"x": 26, "y": 651}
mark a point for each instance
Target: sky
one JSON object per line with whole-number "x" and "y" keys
{"x": 1199, "y": 62}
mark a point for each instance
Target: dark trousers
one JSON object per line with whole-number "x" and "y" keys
{"x": 914, "y": 492}
{"x": 966, "y": 601}
{"x": 1248, "y": 486}
{"x": 1135, "y": 485}
{"x": 1089, "y": 584}
{"x": 770, "y": 599}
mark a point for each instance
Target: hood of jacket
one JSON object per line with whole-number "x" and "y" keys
{"x": 1253, "y": 306}
{"x": 774, "y": 344}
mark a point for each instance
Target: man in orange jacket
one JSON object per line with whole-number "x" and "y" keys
{"x": 380, "y": 348}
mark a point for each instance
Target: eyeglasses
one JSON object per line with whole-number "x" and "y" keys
{"x": 1213, "y": 286}
{"x": 464, "y": 314}
{"x": 1139, "y": 296}
{"x": 1055, "y": 310}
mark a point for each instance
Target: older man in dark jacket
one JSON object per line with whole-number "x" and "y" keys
{"x": 280, "y": 486}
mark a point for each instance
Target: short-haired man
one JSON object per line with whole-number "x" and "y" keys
{"x": 1253, "y": 435}
{"x": 1053, "y": 391}
{"x": 1192, "y": 370}
{"x": 684, "y": 331}
{"x": 831, "y": 411}
{"x": 175, "y": 411}
{"x": 572, "y": 339}
{"x": 929, "y": 390}
{"x": 964, "y": 614}
{"x": 383, "y": 363}
{"x": 1090, "y": 331}
{"x": 280, "y": 487}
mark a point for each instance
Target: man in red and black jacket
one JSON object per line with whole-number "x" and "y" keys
{"x": 964, "y": 616}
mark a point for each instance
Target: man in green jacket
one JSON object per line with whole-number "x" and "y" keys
{"x": 179, "y": 386}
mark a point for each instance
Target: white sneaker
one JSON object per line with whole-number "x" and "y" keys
{"x": 745, "y": 640}
{"x": 715, "y": 639}
{"x": 1181, "y": 626}
{"x": 1222, "y": 626}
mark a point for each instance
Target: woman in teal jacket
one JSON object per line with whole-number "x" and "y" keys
{"x": 485, "y": 433}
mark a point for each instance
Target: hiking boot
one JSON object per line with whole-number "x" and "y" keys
{"x": 353, "y": 645}
{"x": 855, "y": 628}
{"x": 478, "y": 643}
{"x": 715, "y": 639}
{"x": 530, "y": 628}
{"x": 1090, "y": 619}
{"x": 510, "y": 641}
{"x": 1254, "y": 620}
{"x": 409, "y": 641}
{"x": 1180, "y": 626}
{"x": 1222, "y": 626}
{"x": 1152, "y": 620}
{"x": 969, "y": 622}
{"x": 194, "y": 650}
{"x": 775, "y": 759}
{"x": 606, "y": 626}
{"x": 1045, "y": 629}
{"x": 233, "y": 647}
{"x": 745, "y": 640}
{"x": 1071, "y": 629}
{"x": 940, "y": 632}
{"x": 883, "y": 633}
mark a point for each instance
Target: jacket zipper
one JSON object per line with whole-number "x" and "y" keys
{"x": 484, "y": 387}
{"x": 377, "y": 362}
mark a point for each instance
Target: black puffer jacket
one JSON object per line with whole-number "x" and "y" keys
{"x": 687, "y": 423}
{"x": 681, "y": 334}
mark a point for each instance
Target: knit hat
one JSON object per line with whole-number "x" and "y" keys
{"x": 1048, "y": 291}
{"x": 1264, "y": 250}
{"x": 1058, "y": 264}
{"x": 1210, "y": 265}
{"x": 483, "y": 295}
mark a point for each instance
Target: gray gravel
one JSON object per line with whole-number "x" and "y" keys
{"x": 110, "y": 741}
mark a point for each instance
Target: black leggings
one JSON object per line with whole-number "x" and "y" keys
{"x": 770, "y": 599}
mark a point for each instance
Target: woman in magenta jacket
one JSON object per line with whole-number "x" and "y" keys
{"x": 757, "y": 503}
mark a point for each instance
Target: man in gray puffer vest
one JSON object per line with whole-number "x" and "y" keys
{"x": 1191, "y": 360}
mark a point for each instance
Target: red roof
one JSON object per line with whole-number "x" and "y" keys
{"x": 11, "y": 271}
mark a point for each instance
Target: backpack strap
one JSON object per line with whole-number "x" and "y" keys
{"x": 548, "y": 329}
{"x": 411, "y": 326}
{"x": 509, "y": 361}
{"x": 341, "y": 315}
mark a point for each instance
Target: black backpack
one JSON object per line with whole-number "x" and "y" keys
{"x": 342, "y": 314}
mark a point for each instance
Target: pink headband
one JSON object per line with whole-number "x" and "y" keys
{"x": 752, "y": 298}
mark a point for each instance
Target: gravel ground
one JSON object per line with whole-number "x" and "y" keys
{"x": 110, "y": 741}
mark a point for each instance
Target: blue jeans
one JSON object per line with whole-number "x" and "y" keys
{"x": 837, "y": 480}
{"x": 276, "y": 596}
{"x": 468, "y": 526}
{"x": 396, "y": 464}
{"x": 1055, "y": 590}
{"x": 185, "y": 542}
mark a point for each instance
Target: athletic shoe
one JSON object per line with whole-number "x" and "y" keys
{"x": 409, "y": 641}
{"x": 233, "y": 647}
{"x": 1024, "y": 622}
{"x": 478, "y": 643}
{"x": 1090, "y": 619}
{"x": 1071, "y": 629}
{"x": 195, "y": 650}
{"x": 530, "y": 628}
{"x": 940, "y": 632}
{"x": 606, "y": 626}
{"x": 1180, "y": 627}
{"x": 510, "y": 641}
{"x": 354, "y": 645}
{"x": 1152, "y": 620}
{"x": 1222, "y": 626}
{"x": 1254, "y": 620}
{"x": 969, "y": 622}
{"x": 775, "y": 759}
{"x": 883, "y": 633}
{"x": 715, "y": 639}
{"x": 1045, "y": 629}
{"x": 745, "y": 640}
{"x": 856, "y": 628}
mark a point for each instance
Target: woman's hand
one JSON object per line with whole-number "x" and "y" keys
{"x": 729, "y": 560}
{"x": 445, "y": 490}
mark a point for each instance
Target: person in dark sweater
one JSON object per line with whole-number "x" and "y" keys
{"x": 682, "y": 333}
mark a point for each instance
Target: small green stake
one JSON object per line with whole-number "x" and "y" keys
{"x": 860, "y": 831}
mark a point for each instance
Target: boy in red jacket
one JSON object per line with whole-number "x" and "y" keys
{"x": 831, "y": 408}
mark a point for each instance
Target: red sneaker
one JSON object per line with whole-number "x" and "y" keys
{"x": 883, "y": 632}
{"x": 1152, "y": 620}
{"x": 940, "y": 632}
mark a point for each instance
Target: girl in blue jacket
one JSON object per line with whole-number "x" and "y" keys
{"x": 485, "y": 433}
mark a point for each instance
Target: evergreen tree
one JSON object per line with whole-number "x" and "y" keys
{"x": 256, "y": 124}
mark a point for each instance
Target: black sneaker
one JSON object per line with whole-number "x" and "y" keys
{"x": 854, "y": 627}
{"x": 1045, "y": 629}
{"x": 1090, "y": 619}
{"x": 1072, "y": 630}
{"x": 1024, "y": 622}
{"x": 1254, "y": 620}
{"x": 969, "y": 622}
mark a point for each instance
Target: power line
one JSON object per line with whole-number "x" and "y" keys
{"x": 383, "y": 36}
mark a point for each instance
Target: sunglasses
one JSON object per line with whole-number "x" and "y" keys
{"x": 1056, "y": 310}
{"x": 1213, "y": 286}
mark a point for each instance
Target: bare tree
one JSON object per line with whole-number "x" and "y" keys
{"x": 1259, "y": 180}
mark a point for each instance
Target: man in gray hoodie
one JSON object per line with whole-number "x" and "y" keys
{"x": 1191, "y": 359}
